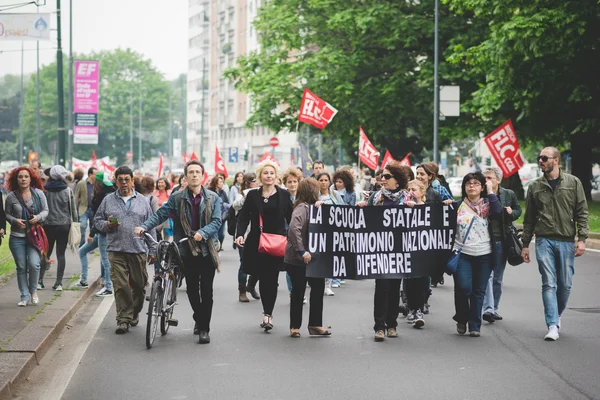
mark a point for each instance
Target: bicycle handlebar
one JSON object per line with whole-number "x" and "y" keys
{"x": 155, "y": 242}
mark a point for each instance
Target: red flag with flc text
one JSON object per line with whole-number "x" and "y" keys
{"x": 160, "y": 166}
{"x": 315, "y": 111}
{"x": 386, "y": 159}
{"x": 367, "y": 153}
{"x": 219, "y": 164}
{"x": 406, "y": 161}
{"x": 504, "y": 146}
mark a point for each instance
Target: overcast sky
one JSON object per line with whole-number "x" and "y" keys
{"x": 156, "y": 29}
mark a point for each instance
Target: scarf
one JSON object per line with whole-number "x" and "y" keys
{"x": 481, "y": 207}
{"x": 395, "y": 196}
{"x": 55, "y": 186}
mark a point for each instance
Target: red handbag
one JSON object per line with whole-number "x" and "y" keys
{"x": 271, "y": 243}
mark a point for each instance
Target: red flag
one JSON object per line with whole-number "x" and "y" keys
{"x": 268, "y": 156}
{"x": 315, "y": 111}
{"x": 160, "y": 166}
{"x": 185, "y": 160}
{"x": 386, "y": 159}
{"x": 504, "y": 146}
{"x": 406, "y": 161}
{"x": 193, "y": 156}
{"x": 93, "y": 158}
{"x": 219, "y": 164}
{"x": 204, "y": 178}
{"x": 367, "y": 153}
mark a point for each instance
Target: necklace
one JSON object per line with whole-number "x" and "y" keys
{"x": 266, "y": 198}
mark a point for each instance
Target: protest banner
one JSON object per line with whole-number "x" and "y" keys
{"x": 382, "y": 242}
{"x": 315, "y": 111}
{"x": 504, "y": 146}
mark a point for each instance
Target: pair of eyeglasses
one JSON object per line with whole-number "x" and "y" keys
{"x": 474, "y": 183}
{"x": 544, "y": 158}
{"x": 387, "y": 176}
{"x": 126, "y": 180}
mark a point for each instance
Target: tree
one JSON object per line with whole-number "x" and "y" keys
{"x": 539, "y": 65}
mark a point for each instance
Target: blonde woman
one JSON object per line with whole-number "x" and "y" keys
{"x": 273, "y": 204}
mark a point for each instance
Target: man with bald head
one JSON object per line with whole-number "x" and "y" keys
{"x": 556, "y": 212}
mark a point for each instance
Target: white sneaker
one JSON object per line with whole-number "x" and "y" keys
{"x": 59, "y": 288}
{"x": 329, "y": 292}
{"x": 104, "y": 293}
{"x": 552, "y": 334}
{"x": 335, "y": 285}
{"x": 22, "y": 303}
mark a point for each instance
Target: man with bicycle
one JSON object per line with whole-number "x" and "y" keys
{"x": 119, "y": 213}
{"x": 198, "y": 216}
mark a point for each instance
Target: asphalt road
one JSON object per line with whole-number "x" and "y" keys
{"x": 509, "y": 361}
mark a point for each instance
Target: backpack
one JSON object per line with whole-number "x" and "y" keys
{"x": 231, "y": 221}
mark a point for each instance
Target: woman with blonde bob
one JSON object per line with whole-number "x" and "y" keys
{"x": 274, "y": 206}
{"x": 296, "y": 258}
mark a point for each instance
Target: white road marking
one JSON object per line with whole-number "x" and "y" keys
{"x": 63, "y": 375}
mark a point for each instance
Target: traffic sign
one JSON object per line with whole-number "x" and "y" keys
{"x": 233, "y": 154}
{"x": 273, "y": 142}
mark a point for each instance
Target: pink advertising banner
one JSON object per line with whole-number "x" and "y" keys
{"x": 85, "y": 98}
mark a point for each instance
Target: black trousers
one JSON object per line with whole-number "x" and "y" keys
{"x": 268, "y": 278}
{"x": 59, "y": 235}
{"x": 385, "y": 308}
{"x": 416, "y": 289}
{"x": 199, "y": 276}
{"x": 317, "y": 288}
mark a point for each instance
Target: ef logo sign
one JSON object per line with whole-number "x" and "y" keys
{"x": 87, "y": 69}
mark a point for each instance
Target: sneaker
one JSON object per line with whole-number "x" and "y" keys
{"x": 22, "y": 303}
{"x": 498, "y": 317}
{"x": 474, "y": 334}
{"x": 426, "y": 308}
{"x": 489, "y": 317}
{"x": 35, "y": 300}
{"x": 379, "y": 336}
{"x": 82, "y": 284}
{"x": 335, "y": 285}
{"x": 304, "y": 301}
{"x": 392, "y": 332}
{"x": 329, "y": 292}
{"x": 122, "y": 328}
{"x": 136, "y": 320}
{"x": 342, "y": 282}
{"x": 410, "y": 318}
{"x": 104, "y": 293}
{"x": 419, "y": 321}
{"x": 40, "y": 286}
{"x": 57, "y": 288}
{"x": 552, "y": 334}
{"x": 461, "y": 329}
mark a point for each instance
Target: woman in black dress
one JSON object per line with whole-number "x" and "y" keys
{"x": 275, "y": 207}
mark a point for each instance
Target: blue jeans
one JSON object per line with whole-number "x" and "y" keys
{"x": 494, "y": 286}
{"x": 470, "y": 281}
{"x": 85, "y": 219}
{"x": 27, "y": 260}
{"x": 100, "y": 241}
{"x": 556, "y": 262}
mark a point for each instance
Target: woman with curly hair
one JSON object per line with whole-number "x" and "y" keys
{"x": 343, "y": 188}
{"x": 26, "y": 206}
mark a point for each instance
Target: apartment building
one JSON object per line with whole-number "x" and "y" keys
{"x": 225, "y": 32}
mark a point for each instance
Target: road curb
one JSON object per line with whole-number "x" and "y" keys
{"x": 21, "y": 373}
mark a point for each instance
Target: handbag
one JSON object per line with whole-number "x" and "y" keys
{"x": 271, "y": 243}
{"x": 452, "y": 264}
{"x": 35, "y": 234}
{"x": 75, "y": 229}
{"x": 513, "y": 246}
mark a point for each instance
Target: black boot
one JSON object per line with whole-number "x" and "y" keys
{"x": 243, "y": 298}
{"x": 251, "y": 287}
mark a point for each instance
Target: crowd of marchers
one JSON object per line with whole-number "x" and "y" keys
{"x": 111, "y": 213}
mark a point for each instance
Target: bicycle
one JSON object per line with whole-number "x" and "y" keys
{"x": 163, "y": 295}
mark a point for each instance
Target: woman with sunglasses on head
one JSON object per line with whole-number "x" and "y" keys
{"x": 387, "y": 291}
{"x": 25, "y": 207}
{"x": 246, "y": 283}
{"x": 266, "y": 210}
{"x": 475, "y": 237}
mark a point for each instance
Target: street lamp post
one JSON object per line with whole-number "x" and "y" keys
{"x": 436, "y": 87}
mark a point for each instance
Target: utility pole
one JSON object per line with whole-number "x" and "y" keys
{"x": 183, "y": 114}
{"x": 62, "y": 137}
{"x": 22, "y": 108}
{"x": 37, "y": 98}
{"x": 140, "y": 136}
{"x": 170, "y": 134}
{"x": 202, "y": 110}
{"x": 131, "y": 125}
{"x": 70, "y": 96}
{"x": 436, "y": 87}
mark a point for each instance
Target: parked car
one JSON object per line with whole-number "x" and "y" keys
{"x": 596, "y": 183}
{"x": 455, "y": 184}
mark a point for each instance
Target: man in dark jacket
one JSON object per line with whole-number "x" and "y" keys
{"x": 512, "y": 212}
{"x": 556, "y": 211}
{"x": 198, "y": 216}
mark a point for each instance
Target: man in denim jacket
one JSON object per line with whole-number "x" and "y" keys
{"x": 197, "y": 216}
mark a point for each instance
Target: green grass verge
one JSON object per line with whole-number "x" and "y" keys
{"x": 8, "y": 265}
{"x": 593, "y": 220}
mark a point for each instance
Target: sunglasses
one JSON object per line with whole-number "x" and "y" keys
{"x": 544, "y": 158}
{"x": 387, "y": 176}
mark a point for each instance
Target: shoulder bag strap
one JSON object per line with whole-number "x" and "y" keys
{"x": 260, "y": 222}
{"x": 71, "y": 208}
{"x": 468, "y": 230}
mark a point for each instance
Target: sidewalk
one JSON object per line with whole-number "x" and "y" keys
{"x": 26, "y": 333}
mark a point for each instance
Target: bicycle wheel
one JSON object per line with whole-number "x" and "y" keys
{"x": 154, "y": 311}
{"x": 167, "y": 305}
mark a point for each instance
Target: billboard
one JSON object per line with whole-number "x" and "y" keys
{"x": 85, "y": 102}
{"x": 24, "y": 27}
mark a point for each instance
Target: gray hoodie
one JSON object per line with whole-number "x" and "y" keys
{"x": 14, "y": 211}
{"x": 61, "y": 207}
